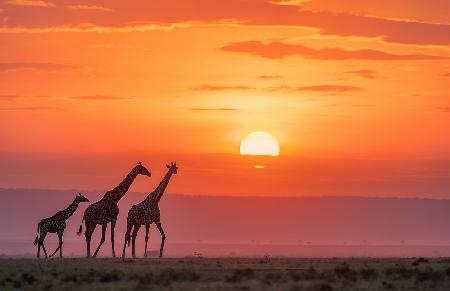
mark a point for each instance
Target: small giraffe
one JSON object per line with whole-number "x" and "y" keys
{"x": 56, "y": 223}
{"x": 146, "y": 213}
{"x": 105, "y": 211}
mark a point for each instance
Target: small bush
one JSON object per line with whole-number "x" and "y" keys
{"x": 388, "y": 285}
{"x": 309, "y": 274}
{"x": 368, "y": 273}
{"x": 273, "y": 277}
{"x": 427, "y": 275}
{"x": 343, "y": 271}
{"x": 28, "y": 278}
{"x": 322, "y": 287}
{"x": 400, "y": 272}
{"x": 109, "y": 277}
{"x": 419, "y": 261}
{"x": 239, "y": 275}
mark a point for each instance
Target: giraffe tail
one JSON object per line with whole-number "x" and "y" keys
{"x": 37, "y": 236}
{"x": 81, "y": 228}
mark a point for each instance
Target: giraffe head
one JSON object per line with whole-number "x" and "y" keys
{"x": 81, "y": 198}
{"x": 142, "y": 170}
{"x": 172, "y": 167}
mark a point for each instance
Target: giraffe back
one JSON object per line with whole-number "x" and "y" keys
{"x": 101, "y": 212}
{"x": 144, "y": 212}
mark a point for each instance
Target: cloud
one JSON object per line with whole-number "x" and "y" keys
{"x": 109, "y": 46}
{"x": 213, "y": 109}
{"x": 31, "y": 108}
{"x": 330, "y": 88}
{"x": 99, "y": 97}
{"x": 236, "y": 12}
{"x": 445, "y": 109}
{"x": 206, "y": 87}
{"x": 9, "y": 97}
{"x": 267, "y": 77}
{"x": 34, "y": 66}
{"x": 446, "y": 75}
{"x": 34, "y": 3}
{"x": 345, "y": 24}
{"x": 279, "y": 50}
{"x": 86, "y": 27}
{"x": 434, "y": 11}
{"x": 368, "y": 74}
{"x": 89, "y": 8}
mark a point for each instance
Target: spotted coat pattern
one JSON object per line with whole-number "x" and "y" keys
{"x": 146, "y": 213}
{"x": 56, "y": 223}
{"x": 106, "y": 210}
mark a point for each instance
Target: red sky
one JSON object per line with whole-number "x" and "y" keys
{"x": 356, "y": 92}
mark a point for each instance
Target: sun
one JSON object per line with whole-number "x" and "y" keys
{"x": 260, "y": 143}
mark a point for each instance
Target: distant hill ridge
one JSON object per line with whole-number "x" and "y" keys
{"x": 303, "y": 220}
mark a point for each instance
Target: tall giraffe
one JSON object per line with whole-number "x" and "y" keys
{"x": 146, "y": 213}
{"x": 56, "y": 223}
{"x": 105, "y": 210}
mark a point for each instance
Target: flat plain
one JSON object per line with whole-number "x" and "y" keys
{"x": 196, "y": 273}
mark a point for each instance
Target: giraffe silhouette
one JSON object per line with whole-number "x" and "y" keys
{"x": 147, "y": 212}
{"x": 56, "y": 223}
{"x": 105, "y": 210}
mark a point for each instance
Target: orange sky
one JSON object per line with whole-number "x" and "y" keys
{"x": 163, "y": 80}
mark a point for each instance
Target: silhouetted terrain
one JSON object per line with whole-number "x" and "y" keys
{"x": 225, "y": 274}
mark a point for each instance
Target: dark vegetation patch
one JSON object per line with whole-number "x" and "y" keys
{"x": 344, "y": 271}
{"x": 419, "y": 261}
{"x": 239, "y": 275}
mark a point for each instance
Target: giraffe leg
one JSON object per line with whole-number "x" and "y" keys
{"x": 127, "y": 238}
{"x": 60, "y": 236}
{"x": 133, "y": 240}
{"x": 90, "y": 227}
{"x": 163, "y": 238}
{"x": 147, "y": 228}
{"x": 41, "y": 242}
{"x": 102, "y": 240}
{"x": 113, "y": 226}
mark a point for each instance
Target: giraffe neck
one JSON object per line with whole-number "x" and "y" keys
{"x": 117, "y": 193}
{"x": 68, "y": 212}
{"x": 159, "y": 191}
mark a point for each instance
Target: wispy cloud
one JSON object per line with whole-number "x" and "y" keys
{"x": 279, "y": 50}
{"x": 89, "y": 8}
{"x": 213, "y": 109}
{"x": 95, "y": 28}
{"x": 35, "y": 3}
{"x": 445, "y": 75}
{"x": 34, "y": 66}
{"x": 99, "y": 97}
{"x": 30, "y": 108}
{"x": 368, "y": 74}
{"x": 207, "y": 87}
{"x": 109, "y": 46}
{"x": 268, "y": 77}
{"x": 330, "y": 88}
{"x": 238, "y": 12}
{"x": 9, "y": 97}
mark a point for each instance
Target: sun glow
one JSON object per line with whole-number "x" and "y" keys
{"x": 260, "y": 143}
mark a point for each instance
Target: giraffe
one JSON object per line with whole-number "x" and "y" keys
{"x": 56, "y": 223}
{"x": 105, "y": 210}
{"x": 147, "y": 212}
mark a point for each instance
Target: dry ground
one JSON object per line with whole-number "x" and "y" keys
{"x": 225, "y": 274}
